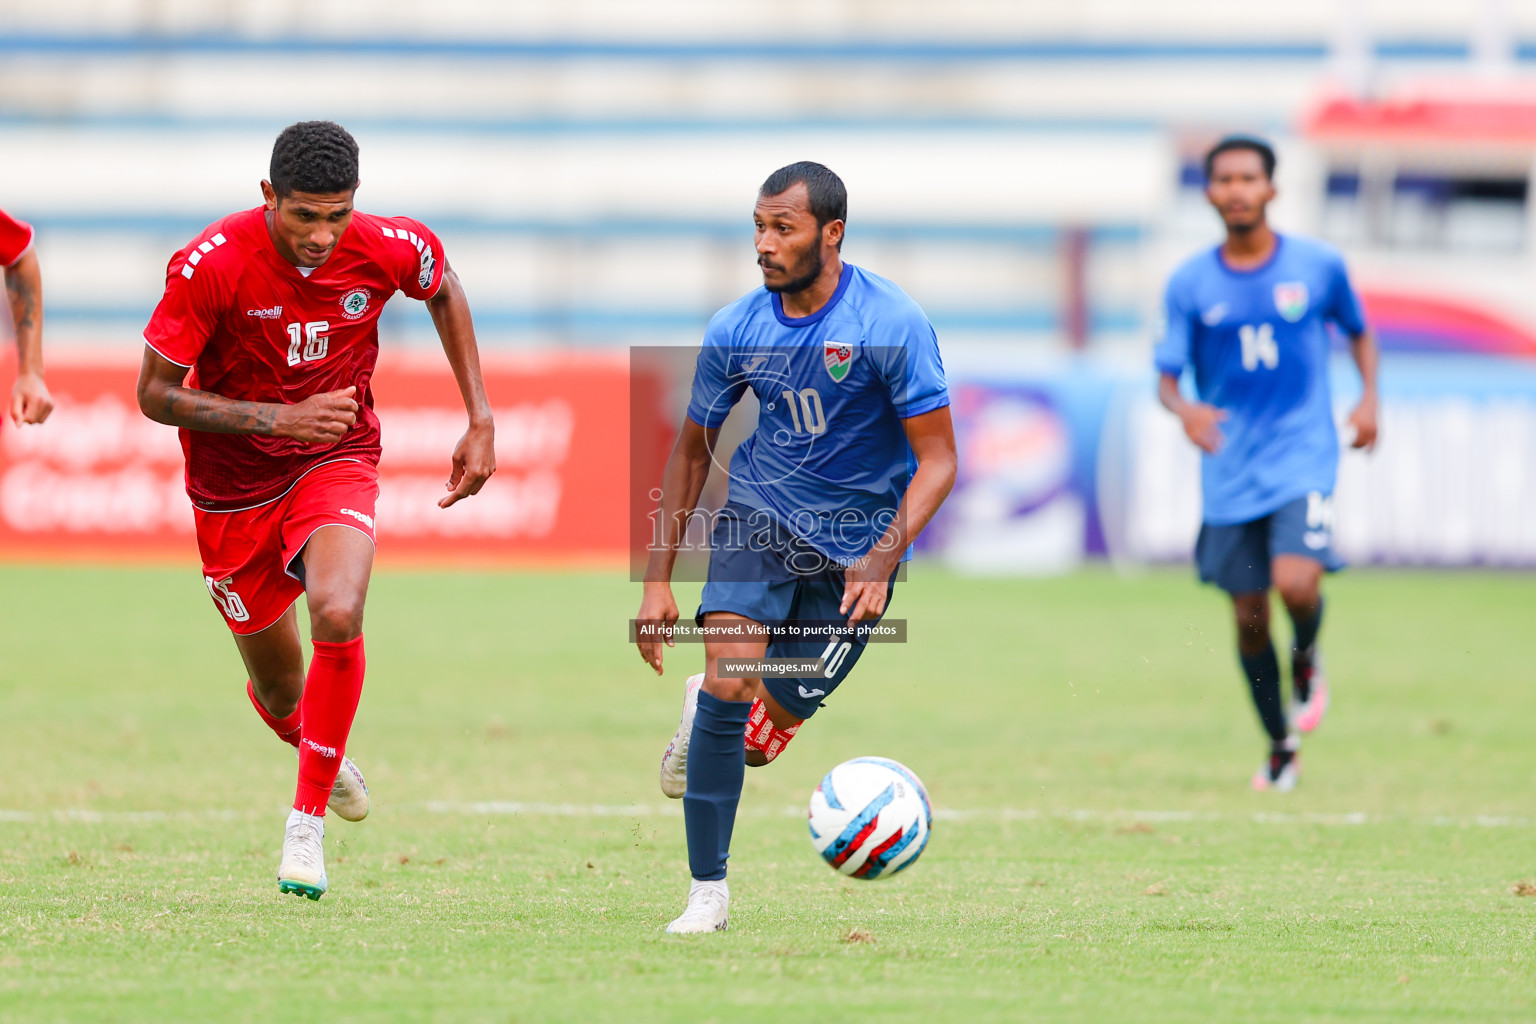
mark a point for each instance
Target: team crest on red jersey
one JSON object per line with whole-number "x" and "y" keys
{"x": 355, "y": 303}
{"x": 1291, "y": 300}
{"x": 839, "y": 359}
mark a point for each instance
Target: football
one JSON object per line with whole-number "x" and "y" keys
{"x": 870, "y": 817}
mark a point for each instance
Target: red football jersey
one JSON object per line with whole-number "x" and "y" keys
{"x": 15, "y": 239}
{"x": 252, "y": 327}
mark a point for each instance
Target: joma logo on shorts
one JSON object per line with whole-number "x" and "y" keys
{"x": 359, "y": 516}
{"x": 1319, "y": 511}
{"x": 317, "y": 748}
{"x": 1319, "y": 520}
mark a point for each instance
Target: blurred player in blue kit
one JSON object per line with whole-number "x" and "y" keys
{"x": 1249, "y": 317}
{"x": 853, "y": 453}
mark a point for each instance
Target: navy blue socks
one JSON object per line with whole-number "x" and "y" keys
{"x": 1307, "y": 627}
{"x": 717, "y": 764}
{"x": 1262, "y": 671}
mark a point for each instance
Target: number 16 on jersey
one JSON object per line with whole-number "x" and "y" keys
{"x": 308, "y": 343}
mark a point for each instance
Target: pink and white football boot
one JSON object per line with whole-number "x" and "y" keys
{"x": 1309, "y": 686}
{"x": 1281, "y": 768}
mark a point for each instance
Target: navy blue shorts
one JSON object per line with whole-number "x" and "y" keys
{"x": 759, "y": 570}
{"x": 1237, "y": 557}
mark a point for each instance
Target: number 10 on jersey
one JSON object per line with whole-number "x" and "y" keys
{"x": 809, "y": 400}
{"x": 308, "y": 343}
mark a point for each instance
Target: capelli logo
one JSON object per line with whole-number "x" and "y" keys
{"x": 270, "y": 313}
{"x": 317, "y": 748}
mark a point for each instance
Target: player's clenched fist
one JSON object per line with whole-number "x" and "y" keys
{"x": 30, "y": 400}
{"x": 320, "y": 419}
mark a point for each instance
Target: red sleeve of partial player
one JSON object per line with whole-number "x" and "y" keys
{"x": 197, "y": 288}
{"x": 417, "y": 265}
{"x": 15, "y": 239}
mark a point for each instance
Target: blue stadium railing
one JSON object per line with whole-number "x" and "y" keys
{"x": 853, "y": 49}
{"x": 595, "y": 322}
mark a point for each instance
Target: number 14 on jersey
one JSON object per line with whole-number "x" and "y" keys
{"x": 1259, "y": 348}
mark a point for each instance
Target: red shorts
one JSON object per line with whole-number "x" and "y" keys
{"x": 251, "y": 558}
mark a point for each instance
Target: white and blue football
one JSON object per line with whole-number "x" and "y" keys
{"x": 870, "y": 817}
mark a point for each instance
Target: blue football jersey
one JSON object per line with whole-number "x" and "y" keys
{"x": 1259, "y": 346}
{"x": 829, "y": 458}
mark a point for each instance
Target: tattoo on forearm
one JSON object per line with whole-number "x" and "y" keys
{"x": 23, "y": 301}
{"x": 203, "y": 410}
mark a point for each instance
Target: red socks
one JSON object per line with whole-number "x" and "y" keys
{"x": 331, "y": 692}
{"x": 287, "y": 729}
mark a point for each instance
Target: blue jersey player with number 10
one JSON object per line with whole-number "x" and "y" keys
{"x": 1250, "y": 318}
{"x": 853, "y": 453}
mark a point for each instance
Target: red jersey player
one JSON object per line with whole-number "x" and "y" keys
{"x": 30, "y": 402}
{"x": 261, "y": 351}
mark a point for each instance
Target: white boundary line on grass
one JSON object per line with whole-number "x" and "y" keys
{"x": 493, "y": 808}
{"x": 85, "y": 817}
{"x": 513, "y": 808}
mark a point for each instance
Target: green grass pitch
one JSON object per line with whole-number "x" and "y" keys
{"x": 1087, "y": 740}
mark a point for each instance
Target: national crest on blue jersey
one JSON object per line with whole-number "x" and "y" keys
{"x": 1291, "y": 300}
{"x": 839, "y": 359}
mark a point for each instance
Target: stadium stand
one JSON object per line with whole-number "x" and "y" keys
{"x": 564, "y": 168}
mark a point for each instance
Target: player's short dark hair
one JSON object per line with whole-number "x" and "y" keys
{"x": 828, "y": 195}
{"x": 319, "y": 157}
{"x": 1249, "y": 142}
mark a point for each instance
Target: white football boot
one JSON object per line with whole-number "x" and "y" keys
{"x": 349, "y": 794}
{"x": 674, "y": 763}
{"x": 709, "y": 904}
{"x": 303, "y": 869}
